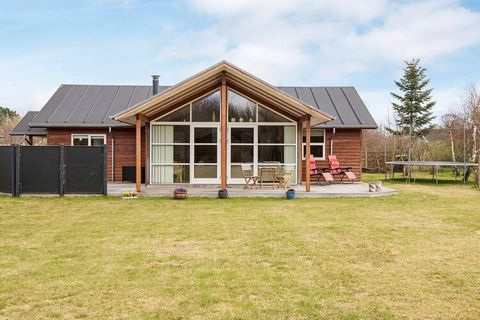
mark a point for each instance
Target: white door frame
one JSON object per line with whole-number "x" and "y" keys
{"x": 194, "y": 125}
{"x": 231, "y": 125}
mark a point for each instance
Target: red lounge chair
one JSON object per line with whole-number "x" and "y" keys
{"x": 318, "y": 173}
{"x": 343, "y": 172}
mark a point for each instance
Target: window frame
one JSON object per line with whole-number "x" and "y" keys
{"x": 322, "y": 144}
{"x": 89, "y": 135}
{"x": 255, "y": 124}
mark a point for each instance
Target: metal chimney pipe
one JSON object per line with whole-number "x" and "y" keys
{"x": 155, "y": 78}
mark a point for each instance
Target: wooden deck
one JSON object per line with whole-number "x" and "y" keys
{"x": 358, "y": 189}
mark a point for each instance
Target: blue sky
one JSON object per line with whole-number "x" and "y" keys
{"x": 292, "y": 42}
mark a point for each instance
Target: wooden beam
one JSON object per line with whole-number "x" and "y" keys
{"x": 300, "y": 152}
{"x": 144, "y": 118}
{"x": 263, "y": 102}
{"x": 147, "y": 153}
{"x": 29, "y": 140}
{"x": 185, "y": 101}
{"x": 138, "y": 153}
{"x": 183, "y": 95}
{"x": 307, "y": 154}
{"x": 304, "y": 118}
{"x": 223, "y": 131}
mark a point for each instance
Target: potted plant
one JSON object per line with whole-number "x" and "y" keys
{"x": 290, "y": 194}
{"x": 223, "y": 193}
{"x": 129, "y": 195}
{"x": 180, "y": 194}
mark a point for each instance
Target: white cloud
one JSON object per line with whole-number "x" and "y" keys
{"x": 428, "y": 30}
{"x": 310, "y": 41}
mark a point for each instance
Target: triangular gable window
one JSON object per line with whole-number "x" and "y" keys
{"x": 265, "y": 115}
{"x": 179, "y": 115}
{"x": 207, "y": 109}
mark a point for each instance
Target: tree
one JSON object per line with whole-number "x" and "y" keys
{"x": 471, "y": 108}
{"x": 413, "y": 105}
{"x": 6, "y": 113}
{"x": 8, "y": 119}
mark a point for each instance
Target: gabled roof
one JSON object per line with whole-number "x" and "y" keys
{"x": 22, "y": 127}
{"x": 213, "y": 76}
{"x": 94, "y": 106}
{"x": 89, "y": 105}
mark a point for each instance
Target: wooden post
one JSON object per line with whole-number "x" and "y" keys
{"x": 138, "y": 153}
{"x": 147, "y": 153}
{"x": 29, "y": 140}
{"x": 307, "y": 155}
{"x": 61, "y": 175}
{"x": 223, "y": 129}
{"x": 300, "y": 152}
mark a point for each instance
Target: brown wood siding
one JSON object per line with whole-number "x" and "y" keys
{"x": 347, "y": 146}
{"x": 346, "y": 143}
{"x": 124, "y": 145}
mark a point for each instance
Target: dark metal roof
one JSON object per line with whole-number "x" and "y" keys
{"x": 93, "y": 105}
{"x": 22, "y": 127}
{"x": 343, "y": 103}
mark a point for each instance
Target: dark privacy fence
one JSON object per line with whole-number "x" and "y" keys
{"x": 53, "y": 169}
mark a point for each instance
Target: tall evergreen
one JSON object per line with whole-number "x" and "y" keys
{"x": 413, "y": 105}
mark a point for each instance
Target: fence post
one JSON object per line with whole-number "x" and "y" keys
{"x": 61, "y": 182}
{"x": 104, "y": 163}
{"x": 16, "y": 186}
{"x": 13, "y": 161}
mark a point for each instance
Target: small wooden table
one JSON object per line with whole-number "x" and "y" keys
{"x": 268, "y": 171}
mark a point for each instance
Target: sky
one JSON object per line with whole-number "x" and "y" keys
{"x": 44, "y": 44}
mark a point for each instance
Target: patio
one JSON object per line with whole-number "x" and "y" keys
{"x": 346, "y": 190}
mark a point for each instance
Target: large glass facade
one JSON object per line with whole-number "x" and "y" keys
{"x": 241, "y": 109}
{"x": 207, "y": 109}
{"x": 185, "y": 144}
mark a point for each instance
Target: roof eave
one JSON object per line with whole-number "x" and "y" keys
{"x": 77, "y": 125}
{"x": 224, "y": 66}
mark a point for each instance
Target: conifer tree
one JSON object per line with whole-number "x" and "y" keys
{"x": 413, "y": 105}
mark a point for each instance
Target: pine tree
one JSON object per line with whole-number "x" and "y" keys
{"x": 413, "y": 105}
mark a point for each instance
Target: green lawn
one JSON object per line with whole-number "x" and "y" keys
{"x": 415, "y": 255}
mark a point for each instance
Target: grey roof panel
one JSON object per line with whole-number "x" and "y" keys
{"x": 140, "y": 94}
{"x": 342, "y": 105}
{"x": 290, "y": 91}
{"x": 305, "y": 95}
{"x": 22, "y": 127}
{"x": 119, "y": 103}
{"x": 360, "y": 107}
{"x": 62, "y": 112}
{"x": 85, "y": 104}
{"x": 93, "y": 105}
{"x": 53, "y": 104}
{"x": 325, "y": 102}
{"x": 106, "y": 98}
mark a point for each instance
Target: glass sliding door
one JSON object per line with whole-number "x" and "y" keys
{"x": 205, "y": 151}
{"x": 277, "y": 146}
{"x": 241, "y": 151}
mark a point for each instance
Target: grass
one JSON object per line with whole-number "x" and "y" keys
{"x": 415, "y": 255}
